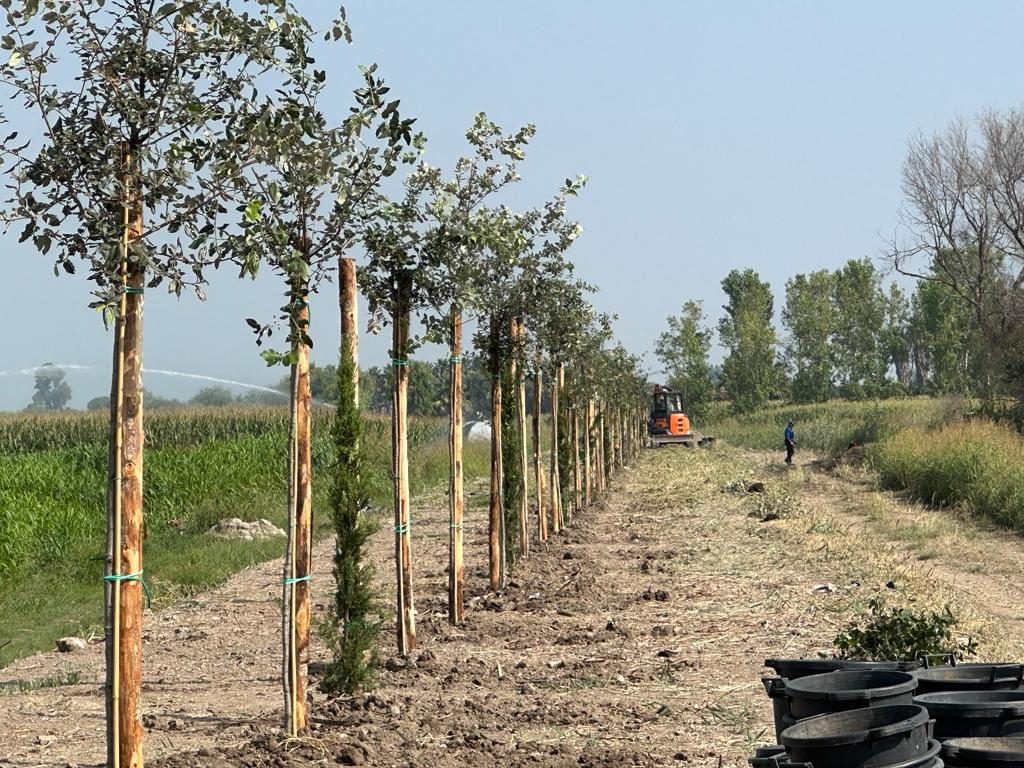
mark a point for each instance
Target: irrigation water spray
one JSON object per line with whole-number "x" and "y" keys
{"x": 159, "y": 371}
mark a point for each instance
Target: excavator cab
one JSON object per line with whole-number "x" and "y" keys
{"x": 668, "y": 423}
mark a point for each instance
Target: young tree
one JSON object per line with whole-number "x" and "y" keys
{"x": 860, "y": 315}
{"x": 396, "y": 281}
{"x": 309, "y": 188}
{"x": 457, "y": 238}
{"x": 749, "y": 371}
{"x": 353, "y": 629}
{"x": 52, "y": 393}
{"x": 559, "y": 315}
{"x": 810, "y": 318}
{"x": 132, "y": 101}
{"x": 524, "y": 248}
{"x": 683, "y": 349}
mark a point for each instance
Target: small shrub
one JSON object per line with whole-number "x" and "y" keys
{"x": 352, "y": 628}
{"x": 900, "y": 634}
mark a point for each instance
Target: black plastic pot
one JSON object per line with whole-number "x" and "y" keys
{"x": 1006, "y": 752}
{"x": 970, "y": 677}
{"x": 837, "y": 691}
{"x": 775, "y": 687}
{"x": 792, "y": 669}
{"x": 848, "y": 689}
{"x": 929, "y": 759}
{"x": 861, "y": 738}
{"x": 960, "y": 714}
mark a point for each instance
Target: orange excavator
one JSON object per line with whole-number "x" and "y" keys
{"x": 668, "y": 423}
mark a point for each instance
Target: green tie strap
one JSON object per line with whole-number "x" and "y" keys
{"x": 133, "y": 577}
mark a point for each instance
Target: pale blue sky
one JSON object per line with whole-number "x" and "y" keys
{"x": 716, "y": 135}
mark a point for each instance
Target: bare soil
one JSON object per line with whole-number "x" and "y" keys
{"x": 636, "y": 638}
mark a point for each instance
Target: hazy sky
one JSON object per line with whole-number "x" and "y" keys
{"x": 716, "y": 135}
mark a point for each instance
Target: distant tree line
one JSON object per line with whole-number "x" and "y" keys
{"x": 428, "y": 387}
{"x": 428, "y": 390}
{"x": 844, "y": 333}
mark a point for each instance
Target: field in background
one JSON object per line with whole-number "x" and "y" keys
{"x": 830, "y": 427}
{"x": 202, "y": 465}
{"x": 930, "y": 448}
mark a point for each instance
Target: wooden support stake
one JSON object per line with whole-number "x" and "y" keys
{"x": 456, "y": 499}
{"x": 519, "y": 379}
{"x": 299, "y": 560}
{"x": 406, "y": 620}
{"x": 556, "y": 483}
{"x": 496, "y": 516}
{"x": 577, "y": 475}
{"x": 588, "y": 458}
{"x": 123, "y": 593}
{"x": 348, "y": 300}
{"x": 538, "y": 380}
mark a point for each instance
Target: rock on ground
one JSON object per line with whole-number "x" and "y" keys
{"x": 235, "y": 528}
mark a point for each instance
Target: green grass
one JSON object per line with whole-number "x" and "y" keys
{"x": 201, "y": 466}
{"x": 831, "y": 427}
{"x": 974, "y": 465}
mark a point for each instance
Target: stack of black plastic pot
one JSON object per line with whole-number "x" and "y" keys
{"x": 848, "y": 714}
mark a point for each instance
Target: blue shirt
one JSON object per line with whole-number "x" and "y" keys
{"x": 789, "y": 433}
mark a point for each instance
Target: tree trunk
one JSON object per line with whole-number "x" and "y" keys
{"x": 588, "y": 463}
{"x": 123, "y": 578}
{"x": 348, "y": 300}
{"x": 456, "y": 500}
{"x": 406, "y": 622}
{"x": 577, "y": 475}
{"x": 299, "y": 560}
{"x": 556, "y": 483}
{"x": 538, "y": 473}
{"x": 519, "y": 377}
{"x": 496, "y": 517}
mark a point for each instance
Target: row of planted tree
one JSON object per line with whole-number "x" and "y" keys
{"x": 179, "y": 137}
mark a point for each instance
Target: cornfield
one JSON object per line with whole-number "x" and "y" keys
{"x": 201, "y": 465}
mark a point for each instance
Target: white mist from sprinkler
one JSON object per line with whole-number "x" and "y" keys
{"x": 231, "y": 382}
{"x": 201, "y": 377}
{"x": 36, "y": 369}
{"x": 158, "y": 371}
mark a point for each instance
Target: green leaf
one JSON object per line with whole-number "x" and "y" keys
{"x": 271, "y": 357}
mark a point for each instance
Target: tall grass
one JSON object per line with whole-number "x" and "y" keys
{"x": 831, "y": 427}
{"x": 202, "y": 465}
{"x": 975, "y": 465}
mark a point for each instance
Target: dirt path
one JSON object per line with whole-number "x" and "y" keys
{"x": 635, "y": 639}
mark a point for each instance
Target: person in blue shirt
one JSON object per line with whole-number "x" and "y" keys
{"x": 790, "y": 442}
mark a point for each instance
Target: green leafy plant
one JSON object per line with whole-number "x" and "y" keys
{"x": 901, "y": 634}
{"x": 351, "y": 632}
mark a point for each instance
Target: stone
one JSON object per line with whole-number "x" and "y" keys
{"x": 236, "y": 528}
{"x": 71, "y": 644}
